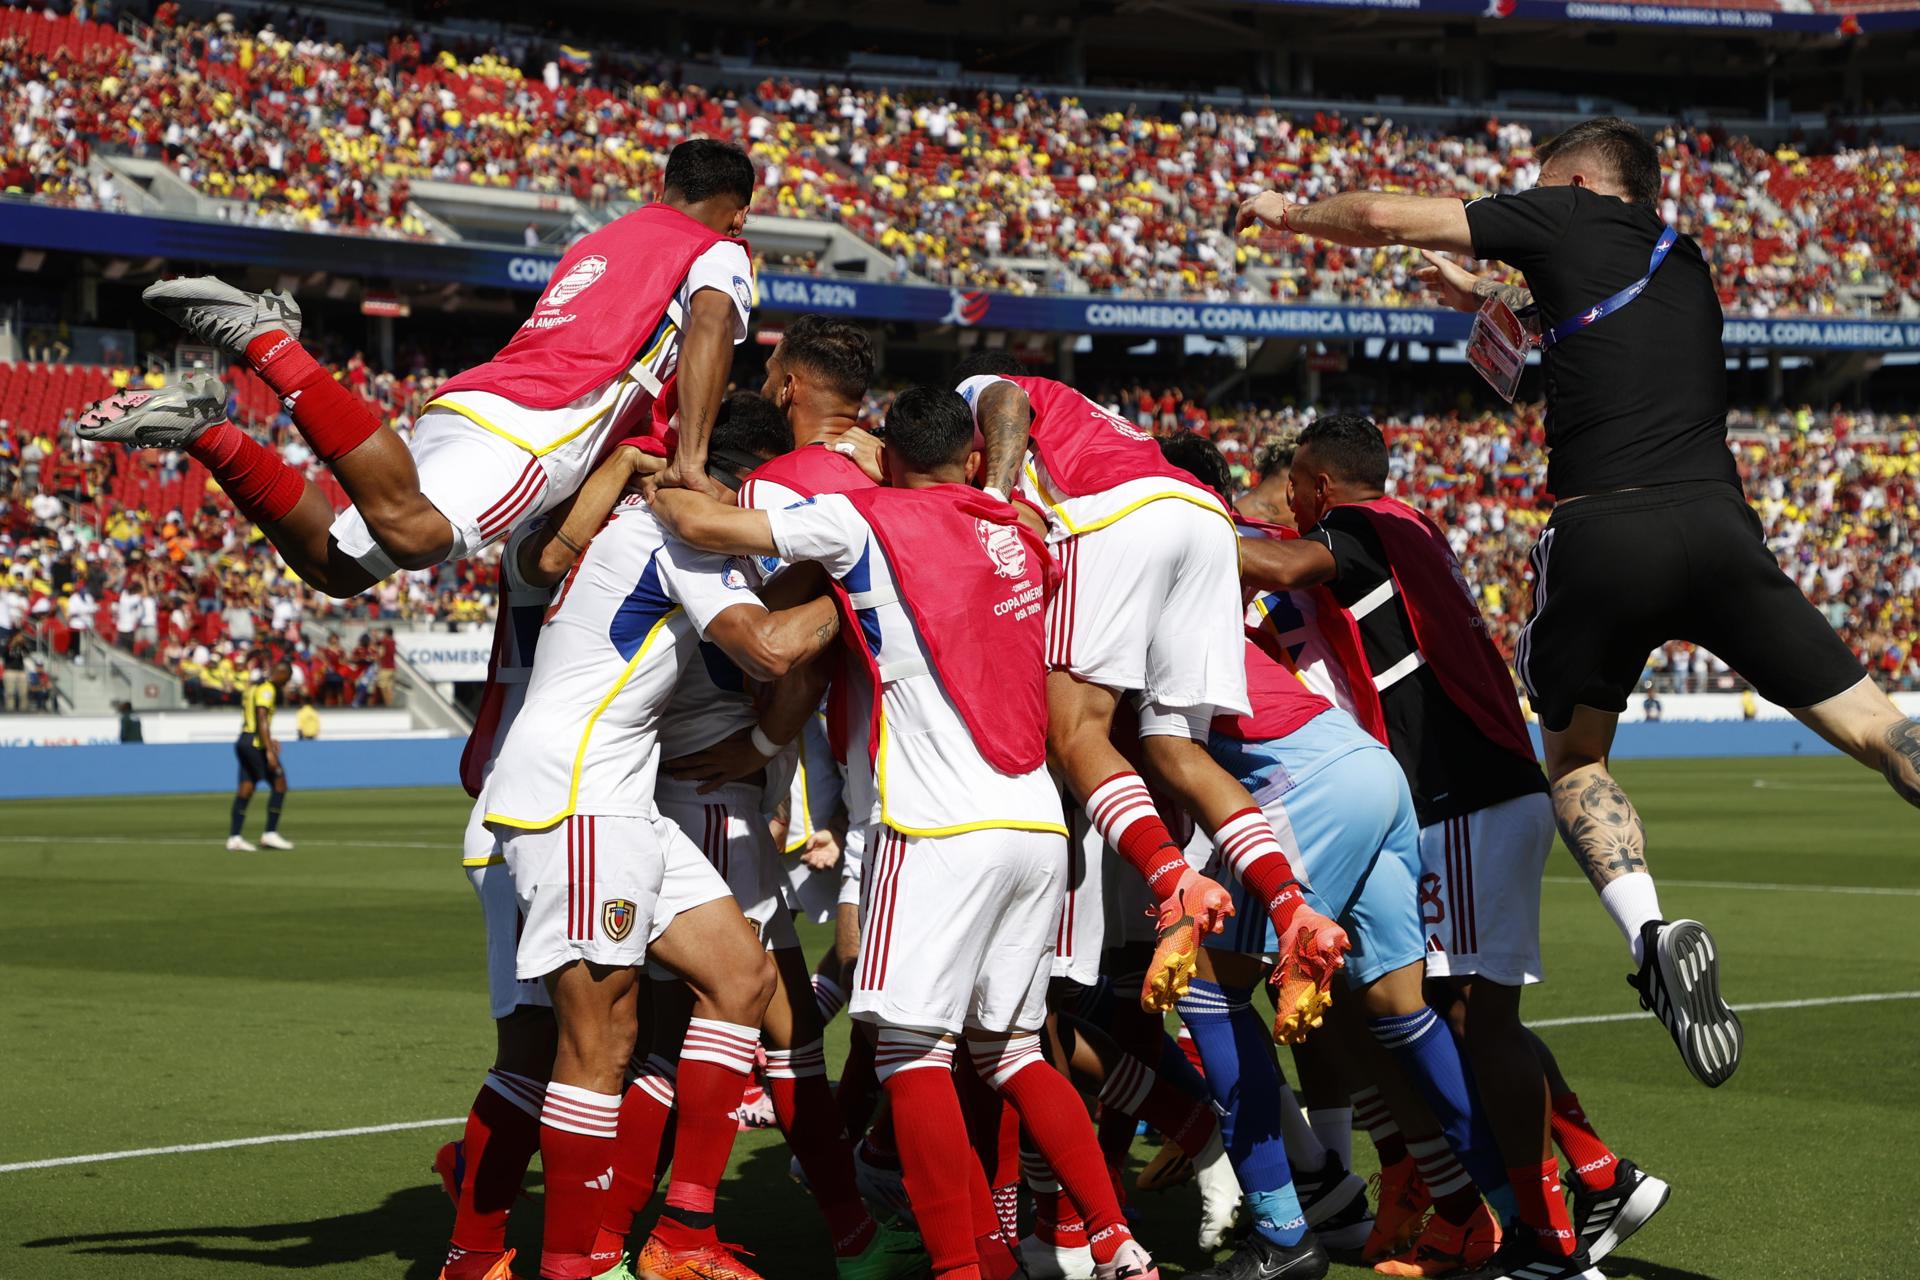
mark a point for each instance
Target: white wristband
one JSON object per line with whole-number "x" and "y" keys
{"x": 763, "y": 744}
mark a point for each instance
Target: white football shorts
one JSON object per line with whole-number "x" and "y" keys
{"x": 1082, "y": 933}
{"x": 729, "y": 829}
{"x": 500, "y": 909}
{"x": 1480, "y": 890}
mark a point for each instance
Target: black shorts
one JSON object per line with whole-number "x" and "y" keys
{"x": 253, "y": 761}
{"x": 1617, "y": 575}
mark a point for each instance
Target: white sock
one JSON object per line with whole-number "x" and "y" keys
{"x": 1632, "y": 900}
{"x": 1334, "y": 1127}
{"x": 1304, "y": 1148}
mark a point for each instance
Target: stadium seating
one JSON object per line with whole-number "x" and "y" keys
{"x": 1015, "y": 192}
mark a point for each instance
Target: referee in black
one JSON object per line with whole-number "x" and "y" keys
{"x": 1652, "y": 539}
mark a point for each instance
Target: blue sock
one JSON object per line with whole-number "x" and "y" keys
{"x": 239, "y": 814}
{"x": 1427, "y": 1053}
{"x": 276, "y": 801}
{"x": 1237, "y": 1054}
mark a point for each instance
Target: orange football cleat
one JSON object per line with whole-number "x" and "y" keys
{"x": 1194, "y": 910}
{"x": 1312, "y": 949}
{"x": 708, "y": 1262}
{"x": 500, "y": 1270}
{"x": 1443, "y": 1248}
{"x": 1400, "y": 1211}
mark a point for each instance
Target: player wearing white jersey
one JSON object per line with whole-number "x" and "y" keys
{"x": 572, "y": 798}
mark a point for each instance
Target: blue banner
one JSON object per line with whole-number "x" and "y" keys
{"x": 39, "y": 226}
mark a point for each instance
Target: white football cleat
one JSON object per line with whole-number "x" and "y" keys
{"x": 1045, "y": 1261}
{"x": 171, "y": 418}
{"x": 274, "y": 840}
{"x": 1131, "y": 1262}
{"x": 1219, "y": 1193}
{"x": 240, "y": 844}
{"x": 220, "y": 315}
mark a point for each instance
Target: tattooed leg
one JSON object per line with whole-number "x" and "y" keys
{"x": 1599, "y": 824}
{"x": 1865, "y": 723}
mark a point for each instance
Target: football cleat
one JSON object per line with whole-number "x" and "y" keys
{"x": 1520, "y": 1257}
{"x": 501, "y": 1269}
{"x": 274, "y": 840}
{"x": 1044, "y": 1261}
{"x": 884, "y": 1189}
{"x": 1130, "y": 1261}
{"x": 1334, "y": 1202}
{"x": 171, "y": 418}
{"x": 618, "y": 1271}
{"x": 708, "y": 1262}
{"x": 1400, "y": 1210}
{"x": 1259, "y": 1258}
{"x": 450, "y": 1162}
{"x": 1605, "y": 1218}
{"x": 1312, "y": 949}
{"x": 892, "y": 1254}
{"x": 1444, "y": 1248}
{"x": 756, "y": 1109}
{"x": 1169, "y": 1167}
{"x": 1219, "y": 1193}
{"x": 1679, "y": 980}
{"x": 221, "y": 315}
{"x": 240, "y": 844}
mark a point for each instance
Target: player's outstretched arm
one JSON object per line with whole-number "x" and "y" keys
{"x": 1273, "y": 564}
{"x": 712, "y": 525}
{"x": 549, "y": 554}
{"x": 706, "y": 362}
{"x": 1006, "y": 418}
{"x": 767, "y": 644}
{"x": 1367, "y": 219}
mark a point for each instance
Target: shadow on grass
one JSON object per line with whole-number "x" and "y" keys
{"x": 1619, "y": 1268}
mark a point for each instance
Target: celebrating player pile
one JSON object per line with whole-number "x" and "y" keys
{"x": 1290, "y": 750}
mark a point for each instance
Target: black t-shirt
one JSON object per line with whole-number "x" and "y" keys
{"x": 1451, "y": 766}
{"x": 1639, "y": 397}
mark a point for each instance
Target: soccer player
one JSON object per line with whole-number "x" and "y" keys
{"x": 259, "y": 754}
{"x": 604, "y": 881}
{"x": 1149, "y": 607}
{"x": 483, "y": 1169}
{"x": 635, "y": 329}
{"x": 1430, "y": 684}
{"x": 946, "y": 597}
{"x": 1651, "y": 539}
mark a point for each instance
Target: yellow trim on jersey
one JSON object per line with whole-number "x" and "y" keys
{"x": 586, "y": 735}
{"x": 956, "y": 829}
{"x": 491, "y": 860}
{"x": 1057, "y": 505}
{"x": 806, "y": 814}
{"x": 538, "y": 451}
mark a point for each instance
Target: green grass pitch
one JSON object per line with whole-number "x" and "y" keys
{"x": 161, "y": 991}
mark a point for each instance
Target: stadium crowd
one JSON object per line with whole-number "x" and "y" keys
{"x": 1018, "y": 192}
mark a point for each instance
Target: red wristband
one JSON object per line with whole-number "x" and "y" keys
{"x": 1286, "y": 219}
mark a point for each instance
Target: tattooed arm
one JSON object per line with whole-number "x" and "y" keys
{"x": 1462, "y": 290}
{"x": 1599, "y": 824}
{"x": 1005, "y": 417}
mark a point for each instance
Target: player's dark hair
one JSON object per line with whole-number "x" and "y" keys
{"x": 1200, "y": 458}
{"x": 701, "y": 168}
{"x": 1621, "y": 145}
{"x": 1349, "y": 448}
{"x": 747, "y": 431}
{"x": 836, "y": 351}
{"x": 929, "y": 427}
{"x": 984, "y": 361}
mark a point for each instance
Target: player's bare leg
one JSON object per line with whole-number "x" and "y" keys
{"x": 1679, "y": 977}
{"x": 1865, "y": 723}
{"x": 594, "y": 1010}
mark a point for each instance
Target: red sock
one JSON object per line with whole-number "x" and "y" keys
{"x": 1247, "y": 842}
{"x": 576, "y": 1154}
{"x": 934, "y": 1161}
{"x": 1055, "y": 1117}
{"x": 1454, "y": 1195}
{"x": 1592, "y": 1160}
{"x": 1122, "y": 811}
{"x": 1542, "y": 1205}
{"x": 993, "y": 1129}
{"x": 797, "y": 1083}
{"x": 1133, "y": 1089}
{"x": 1370, "y": 1113}
{"x": 333, "y": 419}
{"x": 646, "y": 1112}
{"x": 714, "y": 1068}
{"x": 503, "y": 1132}
{"x": 993, "y": 1248}
{"x": 263, "y": 487}
{"x": 1055, "y": 1220}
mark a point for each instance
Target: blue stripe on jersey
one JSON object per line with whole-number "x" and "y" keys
{"x": 644, "y": 606}
{"x": 860, "y": 578}
{"x": 721, "y": 669}
{"x": 1283, "y": 616}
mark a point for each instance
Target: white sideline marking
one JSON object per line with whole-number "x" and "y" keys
{"x": 1865, "y": 890}
{"x": 218, "y": 844}
{"x": 1874, "y": 997}
{"x": 268, "y": 1140}
{"x": 272, "y": 1138}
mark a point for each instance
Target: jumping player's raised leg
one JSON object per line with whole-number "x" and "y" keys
{"x": 1865, "y": 723}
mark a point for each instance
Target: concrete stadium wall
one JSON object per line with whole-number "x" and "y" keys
{"x": 40, "y": 773}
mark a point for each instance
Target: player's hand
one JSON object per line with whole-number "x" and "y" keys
{"x": 822, "y": 851}
{"x": 1269, "y": 208}
{"x": 1312, "y": 949}
{"x": 675, "y": 476}
{"x": 864, "y": 448}
{"x": 639, "y": 461}
{"x": 728, "y": 760}
{"x": 1448, "y": 281}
